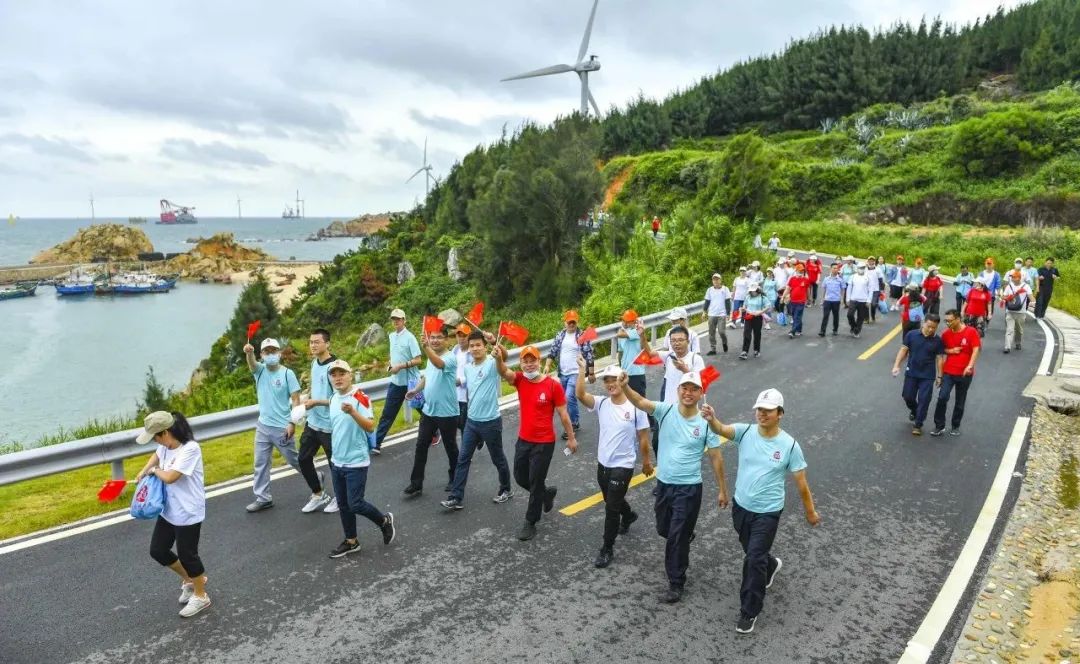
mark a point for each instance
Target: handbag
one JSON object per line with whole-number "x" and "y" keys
{"x": 781, "y": 318}
{"x": 883, "y": 306}
{"x": 149, "y": 499}
{"x": 417, "y": 402}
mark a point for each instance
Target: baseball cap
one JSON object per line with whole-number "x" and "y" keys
{"x": 899, "y": 257}
{"x": 691, "y": 377}
{"x": 611, "y": 371}
{"x": 269, "y": 342}
{"x": 397, "y": 313}
{"x": 339, "y": 364}
{"x": 770, "y": 399}
{"x": 155, "y": 423}
{"x": 530, "y": 350}
{"x": 933, "y": 268}
{"x": 791, "y": 254}
{"x": 849, "y": 257}
{"x": 742, "y": 268}
{"x": 570, "y": 315}
{"x": 755, "y": 287}
{"x": 463, "y": 329}
{"x": 813, "y": 257}
{"x": 1018, "y": 260}
{"x": 756, "y": 264}
{"x": 629, "y": 316}
{"x": 677, "y": 313}
{"x": 716, "y": 275}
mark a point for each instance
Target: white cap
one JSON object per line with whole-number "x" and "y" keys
{"x": 756, "y": 264}
{"x": 690, "y": 377}
{"x": 813, "y": 257}
{"x": 269, "y": 342}
{"x": 933, "y": 268}
{"x": 716, "y": 275}
{"x": 298, "y": 414}
{"x": 770, "y": 399}
{"x": 397, "y": 313}
{"x": 755, "y": 286}
{"x": 677, "y": 313}
{"x": 611, "y": 371}
{"x": 791, "y": 254}
{"x": 849, "y": 257}
{"x": 1018, "y": 260}
{"x": 742, "y": 268}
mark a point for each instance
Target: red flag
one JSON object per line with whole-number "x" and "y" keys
{"x": 253, "y": 328}
{"x": 432, "y": 324}
{"x": 588, "y": 335}
{"x": 513, "y": 332}
{"x": 645, "y": 358}
{"x": 111, "y": 491}
{"x": 736, "y": 316}
{"x": 708, "y": 375}
{"x": 363, "y": 398}
{"x": 476, "y": 314}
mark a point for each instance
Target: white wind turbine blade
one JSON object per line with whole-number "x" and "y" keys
{"x": 592, "y": 101}
{"x": 425, "y": 151}
{"x": 584, "y": 76}
{"x": 588, "y": 33}
{"x": 418, "y": 172}
{"x": 553, "y": 69}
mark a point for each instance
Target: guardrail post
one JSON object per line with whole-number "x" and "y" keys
{"x": 117, "y": 471}
{"x": 652, "y": 335}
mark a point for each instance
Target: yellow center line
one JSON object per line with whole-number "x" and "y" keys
{"x": 880, "y": 344}
{"x": 597, "y": 498}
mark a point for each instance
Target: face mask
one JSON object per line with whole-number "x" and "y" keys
{"x": 862, "y": 270}
{"x": 531, "y": 374}
{"x": 272, "y": 360}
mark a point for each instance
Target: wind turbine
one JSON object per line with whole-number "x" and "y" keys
{"x": 239, "y": 214}
{"x": 426, "y": 170}
{"x": 582, "y": 68}
{"x": 93, "y": 217}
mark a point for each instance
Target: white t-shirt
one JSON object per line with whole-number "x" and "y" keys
{"x": 672, "y": 375}
{"x": 755, "y": 276}
{"x": 185, "y": 499}
{"x": 619, "y": 424}
{"x": 774, "y": 243}
{"x": 717, "y": 298}
{"x": 463, "y": 358}
{"x": 741, "y": 285}
{"x": 568, "y": 354}
{"x": 859, "y": 288}
{"x": 695, "y": 341}
{"x": 781, "y": 275}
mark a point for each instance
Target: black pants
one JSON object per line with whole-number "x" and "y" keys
{"x": 813, "y": 293}
{"x": 463, "y": 415}
{"x": 752, "y": 329}
{"x": 948, "y": 382}
{"x": 187, "y": 546}
{"x": 756, "y": 534}
{"x": 531, "y": 462}
{"x": 637, "y": 384}
{"x": 933, "y": 302}
{"x": 677, "y": 507}
{"x": 447, "y": 427}
{"x": 856, "y": 316}
{"x": 959, "y": 302}
{"x": 873, "y": 305}
{"x": 1042, "y": 301}
{"x": 311, "y": 441}
{"x": 614, "y": 482}
{"x": 829, "y": 308}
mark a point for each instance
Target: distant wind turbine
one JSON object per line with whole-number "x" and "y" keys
{"x": 239, "y": 214}
{"x": 582, "y": 68}
{"x": 92, "y": 215}
{"x": 426, "y": 170}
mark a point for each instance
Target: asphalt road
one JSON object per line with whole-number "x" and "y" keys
{"x": 458, "y": 587}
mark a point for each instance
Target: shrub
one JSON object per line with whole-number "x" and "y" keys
{"x": 1000, "y": 142}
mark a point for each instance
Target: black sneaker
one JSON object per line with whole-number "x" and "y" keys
{"x": 911, "y": 417}
{"x": 672, "y": 595}
{"x": 452, "y": 504}
{"x": 954, "y": 432}
{"x": 725, "y": 348}
{"x": 603, "y": 559}
{"x": 834, "y": 333}
{"x": 1006, "y": 351}
{"x": 856, "y": 335}
{"x": 821, "y": 334}
{"x": 345, "y": 549}
{"x": 624, "y": 527}
{"x": 711, "y": 352}
{"x": 528, "y": 531}
{"x": 389, "y": 532}
{"x": 413, "y": 490}
{"x": 937, "y": 432}
{"x": 745, "y": 624}
{"x": 772, "y": 575}
{"x": 549, "y": 498}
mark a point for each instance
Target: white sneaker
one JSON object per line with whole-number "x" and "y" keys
{"x": 195, "y": 605}
{"x": 768, "y": 327}
{"x": 331, "y": 506}
{"x": 186, "y": 591}
{"x": 315, "y": 503}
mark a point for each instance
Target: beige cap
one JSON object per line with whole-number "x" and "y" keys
{"x": 339, "y": 364}
{"x": 397, "y": 313}
{"x": 155, "y": 423}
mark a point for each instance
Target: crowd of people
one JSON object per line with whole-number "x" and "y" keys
{"x": 458, "y": 390}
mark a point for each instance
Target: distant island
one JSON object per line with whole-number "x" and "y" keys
{"x": 365, "y": 225}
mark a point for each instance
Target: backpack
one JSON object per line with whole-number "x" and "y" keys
{"x": 1016, "y": 303}
{"x": 149, "y": 499}
{"x": 915, "y": 312}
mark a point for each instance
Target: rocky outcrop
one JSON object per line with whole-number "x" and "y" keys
{"x": 217, "y": 255}
{"x": 363, "y": 226}
{"x": 101, "y": 242}
{"x": 451, "y": 317}
{"x": 405, "y": 272}
{"x": 373, "y": 336}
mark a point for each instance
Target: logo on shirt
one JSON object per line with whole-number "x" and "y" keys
{"x": 626, "y": 416}
{"x": 776, "y": 455}
{"x": 543, "y": 397}
{"x": 277, "y": 382}
{"x": 697, "y": 431}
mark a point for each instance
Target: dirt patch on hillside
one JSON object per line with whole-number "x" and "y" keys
{"x": 617, "y": 183}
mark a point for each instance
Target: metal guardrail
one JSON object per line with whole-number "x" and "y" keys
{"x": 114, "y": 448}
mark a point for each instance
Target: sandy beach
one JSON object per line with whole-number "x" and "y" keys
{"x": 278, "y": 274}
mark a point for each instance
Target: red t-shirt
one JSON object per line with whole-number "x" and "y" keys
{"x": 798, "y": 287}
{"x": 813, "y": 271}
{"x": 537, "y": 402}
{"x": 978, "y": 303}
{"x": 967, "y": 340}
{"x": 931, "y": 285}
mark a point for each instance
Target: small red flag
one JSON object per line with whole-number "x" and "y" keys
{"x": 432, "y": 324}
{"x": 476, "y": 314}
{"x": 645, "y": 358}
{"x": 253, "y": 328}
{"x": 513, "y": 332}
{"x": 708, "y": 375}
{"x": 112, "y": 490}
{"x": 587, "y": 336}
{"x": 363, "y": 398}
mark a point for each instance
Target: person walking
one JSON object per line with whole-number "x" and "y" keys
{"x": 278, "y": 392}
{"x": 316, "y": 433}
{"x": 655, "y": 226}
{"x": 440, "y": 412}
{"x": 739, "y": 289}
{"x": 753, "y": 313}
{"x": 925, "y": 353}
{"x": 1031, "y": 278}
{"x": 565, "y": 349}
{"x": 897, "y": 277}
{"x": 876, "y": 273}
{"x": 768, "y": 289}
{"x": 1048, "y": 276}
{"x": 774, "y": 243}
{"x": 857, "y": 296}
{"x": 463, "y": 357}
{"x": 623, "y": 429}
{"x": 962, "y": 284}
{"x": 685, "y": 438}
{"x": 992, "y": 279}
{"x": 795, "y": 297}
{"x": 833, "y": 288}
{"x": 629, "y": 337}
{"x": 540, "y": 397}
{"x": 767, "y": 454}
{"x": 676, "y": 361}
{"x": 918, "y": 273}
{"x": 484, "y": 424}
{"x": 912, "y": 310}
{"x": 679, "y": 318}
{"x": 932, "y": 288}
{"x": 716, "y": 311}
{"x": 352, "y": 420}
{"x": 813, "y": 273}
{"x": 962, "y": 348}
{"x": 977, "y": 308}
{"x": 178, "y": 463}
{"x": 847, "y": 269}
{"x": 1016, "y": 296}
{"x": 781, "y": 274}
{"x": 403, "y": 369}
{"x": 755, "y": 273}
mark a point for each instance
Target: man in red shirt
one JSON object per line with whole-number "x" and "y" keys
{"x": 539, "y": 397}
{"x": 962, "y": 348}
{"x": 813, "y": 273}
{"x": 795, "y": 296}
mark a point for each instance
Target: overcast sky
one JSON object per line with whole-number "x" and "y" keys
{"x": 202, "y": 102}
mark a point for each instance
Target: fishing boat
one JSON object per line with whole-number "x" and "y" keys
{"x": 22, "y": 289}
{"x": 76, "y": 283}
{"x": 136, "y": 220}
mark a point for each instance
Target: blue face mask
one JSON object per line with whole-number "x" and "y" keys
{"x": 272, "y": 360}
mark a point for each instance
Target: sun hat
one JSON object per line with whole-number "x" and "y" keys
{"x": 397, "y": 313}
{"x": 269, "y": 342}
{"x": 153, "y": 424}
{"x": 770, "y": 399}
{"x": 755, "y": 264}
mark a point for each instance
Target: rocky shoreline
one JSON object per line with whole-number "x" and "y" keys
{"x": 363, "y": 226}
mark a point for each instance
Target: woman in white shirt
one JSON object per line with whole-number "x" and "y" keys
{"x": 178, "y": 464}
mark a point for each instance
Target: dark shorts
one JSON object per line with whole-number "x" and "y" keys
{"x": 896, "y": 292}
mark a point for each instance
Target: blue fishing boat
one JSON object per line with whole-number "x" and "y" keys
{"x": 69, "y": 288}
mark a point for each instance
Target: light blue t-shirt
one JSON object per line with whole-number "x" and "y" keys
{"x": 682, "y": 444}
{"x": 318, "y": 418}
{"x": 763, "y": 467}
{"x": 630, "y": 347}
{"x": 348, "y": 442}
{"x": 403, "y": 348}
{"x": 440, "y": 388}
{"x": 769, "y": 286}
{"x": 482, "y": 383}
{"x": 275, "y": 389}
